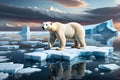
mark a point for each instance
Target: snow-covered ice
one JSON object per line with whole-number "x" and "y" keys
{"x": 3, "y": 76}
{"x": 3, "y": 58}
{"x": 108, "y": 67}
{"x": 28, "y": 70}
{"x": 69, "y": 53}
{"x": 10, "y": 67}
{"x": 37, "y": 56}
{"x": 5, "y": 52}
{"x": 9, "y": 47}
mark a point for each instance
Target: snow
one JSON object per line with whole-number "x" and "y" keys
{"x": 37, "y": 56}
{"x": 28, "y": 70}
{"x": 25, "y": 33}
{"x": 108, "y": 67}
{"x": 69, "y": 53}
{"x": 10, "y": 67}
{"x": 104, "y": 32}
{"x": 9, "y": 47}
{"x": 3, "y": 75}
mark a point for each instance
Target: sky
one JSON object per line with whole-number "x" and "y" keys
{"x": 15, "y": 13}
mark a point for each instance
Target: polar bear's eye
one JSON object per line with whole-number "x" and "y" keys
{"x": 46, "y": 25}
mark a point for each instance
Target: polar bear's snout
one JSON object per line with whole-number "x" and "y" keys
{"x": 43, "y": 28}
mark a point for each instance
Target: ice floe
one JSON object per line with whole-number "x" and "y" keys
{"x": 3, "y": 76}
{"x": 9, "y": 47}
{"x": 10, "y": 67}
{"x": 28, "y": 70}
{"x": 108, "y": 67}
{"x": 69, "y": 53}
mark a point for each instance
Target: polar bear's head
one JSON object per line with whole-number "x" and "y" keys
{"x": 47, "y": 25}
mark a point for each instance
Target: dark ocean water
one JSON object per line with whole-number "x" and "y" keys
{"x": 52, "y": 69}
{"x": 73, "y": 70}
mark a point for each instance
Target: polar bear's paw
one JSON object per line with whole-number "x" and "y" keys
{"x": 46, "y": 48}
{"x": 59, "y": 49}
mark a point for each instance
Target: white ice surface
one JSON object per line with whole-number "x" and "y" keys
{"x": 109, "y": 67}
{"x": 3, "y": 75}
{"x": 10, "y": 67}
{"x": 28, "y": 70}
{"x": 69, "y": 53}
{"x": 9, "y": 47}
{"x": 37, "y": 56}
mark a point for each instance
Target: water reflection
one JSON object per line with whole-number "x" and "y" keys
{"x": 67, "y": 72}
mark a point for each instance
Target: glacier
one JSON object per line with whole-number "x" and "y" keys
{"x": 104, "y": 33}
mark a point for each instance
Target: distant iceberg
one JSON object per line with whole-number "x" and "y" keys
{"x": 104, "y": 32}
{"x": 25, "y": 33}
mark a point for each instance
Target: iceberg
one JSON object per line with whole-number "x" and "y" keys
{"x": 104, "y": 32}
{"x": 10, "y": 67}
{"x": 25, "y": 33}
{"x": 3, "y": 76}
{"x": 108, "y": 67}
{"x": 9, "y": 47}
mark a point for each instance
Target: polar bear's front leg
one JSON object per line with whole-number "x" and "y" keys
{"x": 51, "y": 41}
{"x": 62, "y": 39}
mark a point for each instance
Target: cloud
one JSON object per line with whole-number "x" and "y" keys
{"x": 101, "y": 14}
{"x": 72, "y": 3}
{"x": 29, "y": 14}
{"x": 53, "y": 14}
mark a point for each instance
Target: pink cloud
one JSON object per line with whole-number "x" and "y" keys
{"x": 72, "y": 3}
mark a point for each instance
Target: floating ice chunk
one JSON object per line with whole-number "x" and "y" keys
{"x": 29, "y": 43}
{"x": 108, "y": 67}
{"x": 21, "y": 51}
{"x": 25, "y": 33}
{"x": 5, "y": 52}
{"x": 102, "y": 73}
{"x": 37, "y": 56}
{"x": 9, "y": 47}
{"x": 62, "y": 55}
{"x": 10, "y": 68}
{"x": 3, "y": 58}
{"x": 28, "y": 70}
{"x": 96, "y": 69}
{"x": 88, "y": 72}
{"x": 39, "y": 49}
{"x": 69, "y": 53}
{"x": 96, "y": 51}
{"x": 5, "y": 38}
{"x": 4, "y": 43}
{"x": 13, "y": 42}
{"x": 3, "y": 75}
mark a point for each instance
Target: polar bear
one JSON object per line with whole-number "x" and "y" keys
{"x": 61, "y": 32}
